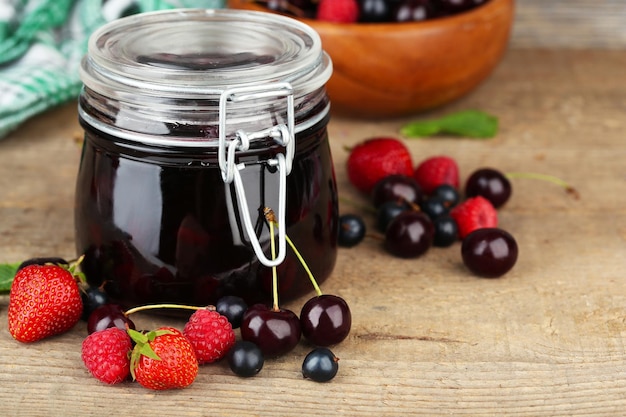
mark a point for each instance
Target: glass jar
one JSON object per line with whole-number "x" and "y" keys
{"x": 196, "y": 122}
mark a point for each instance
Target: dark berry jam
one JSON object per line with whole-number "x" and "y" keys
{"x": 155, "y": 224}
{"x": 196, "y": 122}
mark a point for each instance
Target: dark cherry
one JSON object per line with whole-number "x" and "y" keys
{"x": 399, "y": 188}
{"x": 490, "y": 184}
{"x": 320, "y": 365}
{"x": 352, "y": 230}
{"x": 448, "y": 193}
{"x": 446, "y": 231}
{"x": 326, "y": 320}
{"x": 434, "y": 207}
{"x": 409, "y": 235}
{"x": 92, "y": 297}
{"x": 489, "y": 252}
{"x": 42, "y": 261}
{"x": 275, "y": 332}
{"x": 387, "y": 212}
{"x": 108, "y": 315}
{"x": 233, "y": 308}
{"x": 245, "y": 358}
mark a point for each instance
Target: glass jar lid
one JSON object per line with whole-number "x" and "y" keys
{"x": 198, "y": 53}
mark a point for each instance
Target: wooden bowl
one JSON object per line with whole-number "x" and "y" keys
{"x": 395, "y": 69}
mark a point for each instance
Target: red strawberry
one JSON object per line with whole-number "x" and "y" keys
{"x": 376, "y": 158}
{"x": 436, "y": 171}
{"x": 44, "y": 301}
{"x": 106, "y": 355}
{"x": 340, "y": 11}
{"x": 163, "y": 359}
{"x": 474, "y": 213}
{"x": 210, "y": 334}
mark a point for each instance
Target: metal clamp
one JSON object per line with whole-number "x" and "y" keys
{"x": 282, "y": 134}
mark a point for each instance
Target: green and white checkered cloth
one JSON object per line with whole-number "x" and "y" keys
{"x": 42, "y": 43}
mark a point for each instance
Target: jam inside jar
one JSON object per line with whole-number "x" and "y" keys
{"x": 192, "y": 132}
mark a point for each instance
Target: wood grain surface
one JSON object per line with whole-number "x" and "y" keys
{"x": 428, "y": 338}
{"x": 572, "y": 24}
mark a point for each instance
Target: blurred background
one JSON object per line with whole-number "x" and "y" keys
{"x": 570, "y": 24}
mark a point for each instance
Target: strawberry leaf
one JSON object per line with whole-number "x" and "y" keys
{"x": 7, "y": 273}
{"x": 467, "y": 123}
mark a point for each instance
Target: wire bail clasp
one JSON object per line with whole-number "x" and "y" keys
{"x": 283, "y": 134}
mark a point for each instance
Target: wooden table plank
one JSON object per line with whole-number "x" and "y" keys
{"x": 428, "y": 337}
{"x": 573, "y": 24}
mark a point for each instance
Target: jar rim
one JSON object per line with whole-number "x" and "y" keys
{"x": 199, "y": 53}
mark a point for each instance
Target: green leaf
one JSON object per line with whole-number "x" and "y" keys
{"x": 7, "y": 273}
{"x": 467, "y": 123}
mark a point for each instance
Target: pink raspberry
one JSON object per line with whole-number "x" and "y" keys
{"x": 436, "y": 171}
{"x": 210, "y": 334}
{"x": 106, "y": 355}
{"x": 340, "y": 11}
{"x": 474, "y": 213}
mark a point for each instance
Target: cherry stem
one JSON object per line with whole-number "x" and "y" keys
{"x": 271, "y": 219}
{"x": 274, "y": 272}
{"x": 545, "y": 177}
{"x": 304, "y": 265}
{"x": 158, "y": 306}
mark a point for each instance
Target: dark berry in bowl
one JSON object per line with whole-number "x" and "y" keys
{"x": 489, "y": 252}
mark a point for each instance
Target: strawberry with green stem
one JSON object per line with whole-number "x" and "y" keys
{"x": 44, "y": 301}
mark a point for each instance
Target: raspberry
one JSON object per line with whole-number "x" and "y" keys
{"x": 210, "y": 334}
{"x": 340, "y": 11}
{"x": 106, "y": 355}
{"x": 436, "y": 171}
{"x": 474, "y": 213}
{"x": 376, "y": 158}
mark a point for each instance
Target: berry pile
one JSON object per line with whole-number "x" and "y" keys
{"x": 421, "y": 206}
{"x": 48, "y": 298}
{"x": 371, "y": 11}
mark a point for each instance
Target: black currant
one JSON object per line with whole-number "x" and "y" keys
{"x": 92, "y": 297}
{"x": 434, "y": 207}
{"x": 446, "y": 231}
{"x": 448, "y": 193}
{"x": 245, "y": 358}
{"x": 320, "y": 365}
{"x": 387, "y": 212}
{"x": 233, "y": 308}
{"x": 351, "y": 230}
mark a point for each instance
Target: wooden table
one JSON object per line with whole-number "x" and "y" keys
{"x": 428, "y": 338}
